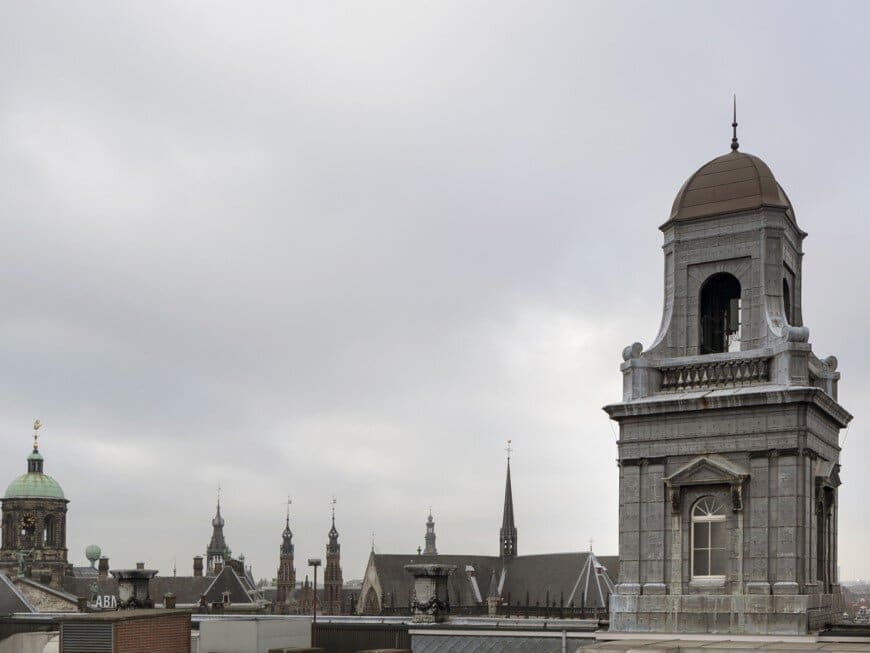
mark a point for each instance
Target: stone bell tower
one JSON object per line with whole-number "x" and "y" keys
{"x": 34, "y": 523}
{"x": 729, "y": 423}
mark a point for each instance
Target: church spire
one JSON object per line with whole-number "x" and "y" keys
{"x": 286, "y": 579}
{"x": 287, "y": 535}
{"x": 430, "y": 549}
{"x": 217, "y": 552}
{"x": 508, "y": 533}
{"x": 333, "y": 581}
{"x": 333, "y": 547}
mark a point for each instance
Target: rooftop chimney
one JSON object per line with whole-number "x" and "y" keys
{"x": 103, "y": 569}
{"x": 197, "y": 565}
{"x": 134, "y": 587}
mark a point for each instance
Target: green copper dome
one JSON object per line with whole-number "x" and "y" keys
{"x": 34, "y": 485}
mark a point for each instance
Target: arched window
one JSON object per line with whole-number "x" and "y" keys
{"x": 48, "y": 532}
{"x": 720, "y": 314}
{"x": 786, "y": 300}
{"x": 709, "y": 539}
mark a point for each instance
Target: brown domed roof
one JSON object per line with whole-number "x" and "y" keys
{"x": 728, "y": 184}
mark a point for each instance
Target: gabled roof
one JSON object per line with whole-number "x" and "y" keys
{"x": 187, "y": 589}
{"x": 11, "y": 598}
{"x": 553, "y": 574}
{"x": 228, "y": 581}
{"x": 66, "y": 596}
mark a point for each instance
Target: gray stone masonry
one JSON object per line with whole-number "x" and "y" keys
{"x": 748, "y": 433}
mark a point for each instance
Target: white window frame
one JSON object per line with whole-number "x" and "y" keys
{"x": 714, "y": 513}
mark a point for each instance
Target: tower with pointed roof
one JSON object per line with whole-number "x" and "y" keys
{"x": 286, "y": 581}
{"x": 729, "y": 426}
{"x": 332, "y": 578}
{"x": 217, "y": 552}
{"x": 508, "y": 534}
{"x": 430, "y": 549}
{"x": 34, "y": 523}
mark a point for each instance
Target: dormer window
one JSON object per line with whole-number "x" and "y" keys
{"x": 720, "y": 314}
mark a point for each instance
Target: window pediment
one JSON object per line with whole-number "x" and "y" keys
{"x": 708, "y": 470}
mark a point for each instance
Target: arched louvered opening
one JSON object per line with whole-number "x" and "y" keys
{"x": 720, "y": 308}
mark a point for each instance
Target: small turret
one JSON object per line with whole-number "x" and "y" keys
{"x": 217, "y": 552}
{"x": 430, "y": 549}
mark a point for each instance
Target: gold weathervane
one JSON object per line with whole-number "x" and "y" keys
{"x": 36, "y": 426}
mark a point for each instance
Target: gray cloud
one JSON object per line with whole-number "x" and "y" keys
{"x": 352, "y": 248}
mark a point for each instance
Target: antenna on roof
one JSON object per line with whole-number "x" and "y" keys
{"x": 734, "y": 144}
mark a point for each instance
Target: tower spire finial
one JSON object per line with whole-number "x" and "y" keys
{"x": 333, "y": 509}
{"x": 289, "y": 503}
{"x": 509, "y": 449}
{"x": 734, "y": 144}
{"x": 36, "y": 426}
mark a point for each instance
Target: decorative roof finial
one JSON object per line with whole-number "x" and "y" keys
{"x": 734, "y": 144}
{"x": 333, "y": 510}
{"x": 373, "y": 541}
{"x": 509, "y": 449}
{"x": 289, "y": 503}
{"x": 36, "y": 426}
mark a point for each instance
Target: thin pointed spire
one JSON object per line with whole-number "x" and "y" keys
{"x": 508, "y": 533}
{"x": 734, "y": 144}
{"x": 287, "y": 535}
{"x": 333, "y": 547}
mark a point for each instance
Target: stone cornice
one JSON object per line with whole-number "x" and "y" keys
{"x": 663, "y": 404}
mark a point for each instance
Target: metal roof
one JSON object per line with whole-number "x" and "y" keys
{"x": 730, "y": 183}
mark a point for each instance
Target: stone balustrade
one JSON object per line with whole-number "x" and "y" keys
{"x": 715, "y": 374}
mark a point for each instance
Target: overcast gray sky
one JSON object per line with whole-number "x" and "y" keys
{"x": 317, "y": 248}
